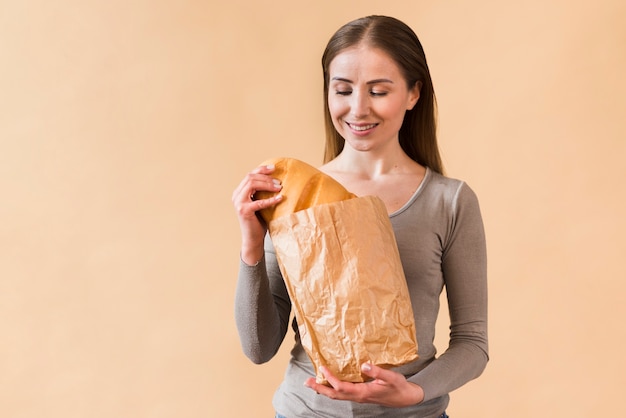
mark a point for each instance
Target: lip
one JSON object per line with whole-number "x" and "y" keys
{"x": 361, "y": 128}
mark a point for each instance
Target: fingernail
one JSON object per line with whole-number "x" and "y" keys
{"x": 276, "y": 183}
{"x": 270, "y": 166}
{"x": 366, "y": 367}
{"x": 279, "y": 197}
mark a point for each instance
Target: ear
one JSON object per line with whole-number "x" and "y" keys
{"x": 414, "y": 95}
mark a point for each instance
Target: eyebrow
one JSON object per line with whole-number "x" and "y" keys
{"x": 376, "y": 81}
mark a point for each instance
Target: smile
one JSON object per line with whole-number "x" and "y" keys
{"x": 362, "y": 127}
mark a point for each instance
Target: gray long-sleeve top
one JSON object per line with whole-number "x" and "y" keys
{"x": 441, "y": 241}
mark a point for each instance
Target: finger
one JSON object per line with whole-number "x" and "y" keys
{"x": 376, "y": 372}
{"x": 253, "y": 183}
{"x": 312, "y": 384}
{"x": 322, "y": 389}
{"x": 319, "y": 388}
{"x": 259, "y": 172}
{"x": 331, "y": 378}
{"x": 258, "y": 205}
{"x": 264, "y": 185}
{"x": 265, "y": 169}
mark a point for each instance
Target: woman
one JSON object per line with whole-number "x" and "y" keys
{"x": 381, "y": 140}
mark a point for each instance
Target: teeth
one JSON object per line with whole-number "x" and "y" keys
{"x": 362, "y": 128}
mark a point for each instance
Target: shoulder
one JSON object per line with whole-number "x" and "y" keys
{"x": 461, "y": 204}
{"x": 442, "y": 182}
{"x": 446, "y": 187}
{"x": 447, "y": 193}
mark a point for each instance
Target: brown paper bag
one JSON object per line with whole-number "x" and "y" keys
{"x": 343, "y": 273}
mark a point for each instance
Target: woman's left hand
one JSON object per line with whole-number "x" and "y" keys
{"x": 387, "y": 388}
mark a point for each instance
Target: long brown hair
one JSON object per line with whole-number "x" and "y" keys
{"x": 418, "y": 134}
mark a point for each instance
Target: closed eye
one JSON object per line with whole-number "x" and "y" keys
{"x": 343, "y": 92}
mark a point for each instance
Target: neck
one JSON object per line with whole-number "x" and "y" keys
{"x": 371, "y": 165}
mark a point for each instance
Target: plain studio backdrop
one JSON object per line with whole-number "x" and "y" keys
{"x": 125, "y": 126}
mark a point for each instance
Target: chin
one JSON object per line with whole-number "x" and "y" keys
{"x": 361, "y": 144}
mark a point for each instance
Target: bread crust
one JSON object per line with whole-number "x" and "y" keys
{"x": 304, "y": 186}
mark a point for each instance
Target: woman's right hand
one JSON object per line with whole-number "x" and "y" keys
{"x": 253, "y": 229}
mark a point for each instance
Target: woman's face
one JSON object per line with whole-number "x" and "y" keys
{"x": 368, "y": 97}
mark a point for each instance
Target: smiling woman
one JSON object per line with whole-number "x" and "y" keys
{"x": 380, "y": 121}
{"x": 368, "y": 97}
{"x": 407, "y": 61}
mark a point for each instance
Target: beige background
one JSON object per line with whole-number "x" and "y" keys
{"x": 125, "y": 125}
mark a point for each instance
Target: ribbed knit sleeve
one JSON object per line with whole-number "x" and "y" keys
{"x": 464, "y": 269}
{"x": 262, "y": 309}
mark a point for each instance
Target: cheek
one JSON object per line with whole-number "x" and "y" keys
{"x": 336, "y": 107}
{"x": 396, "y": 111}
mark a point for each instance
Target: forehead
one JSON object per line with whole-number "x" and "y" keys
{"x": 366, "y": 61}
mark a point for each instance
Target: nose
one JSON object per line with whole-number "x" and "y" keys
{"x": 360, "y": 106}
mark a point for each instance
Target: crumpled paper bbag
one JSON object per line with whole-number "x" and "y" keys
{"x": 342, "y": 269}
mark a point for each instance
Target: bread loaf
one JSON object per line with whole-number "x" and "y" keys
{"x": 304, "y": 186}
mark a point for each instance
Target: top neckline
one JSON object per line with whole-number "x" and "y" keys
{"x": 414, "y": 196}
